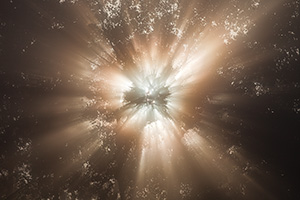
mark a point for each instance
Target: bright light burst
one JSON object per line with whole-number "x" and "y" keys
{"x": 149, "y": 75}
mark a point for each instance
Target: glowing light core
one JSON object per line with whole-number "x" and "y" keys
{"x": 148, "y": 99}
{"x": 152, "y": 94}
